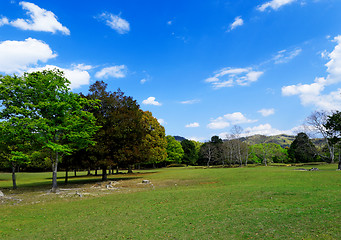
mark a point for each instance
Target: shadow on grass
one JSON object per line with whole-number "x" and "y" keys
{"x": 73, "y": 182}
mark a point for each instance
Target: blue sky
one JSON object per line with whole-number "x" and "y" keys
{"x": 199, "y": 66}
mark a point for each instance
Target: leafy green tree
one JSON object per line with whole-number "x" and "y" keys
{"x": 154, "y": 144}
{"x": 302, "y": 150}
{"x": 190, "y": 153}
{"x": 175, "y": 152}
{"x": 53, "y": 115}
{"x": 267, "y": 153}
{"x": 333, "y": 127}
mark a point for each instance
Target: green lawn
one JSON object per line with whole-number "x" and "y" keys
{"x": 185, "y": 203}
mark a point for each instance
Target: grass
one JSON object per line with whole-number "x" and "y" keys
{"x": 185, "y": 203}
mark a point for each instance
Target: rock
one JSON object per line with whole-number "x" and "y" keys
{"x": 146, "y": 181}
{"x": 2, "y": 194}
{"x": 314, "y": 169}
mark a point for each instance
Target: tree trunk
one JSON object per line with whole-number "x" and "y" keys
{"x": 89, "y": 172}
{"x": 14, "y": 180}
{"x": 66, "y": 175}
{"x": 104, "y": 174}
{"x": 117, "y": 170}
{"x": 96, "y": 174}
{"x": 75, "y": 172}
{"x": 54, "y": 174}
{"x": 130, "y": 170}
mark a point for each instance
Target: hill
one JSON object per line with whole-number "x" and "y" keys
{"x": 283, "y": 140}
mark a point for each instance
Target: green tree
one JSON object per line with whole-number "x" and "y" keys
{"x": 190, "y": 153}
{"x": 175, "y": 152}
{"x": 267, "y": 153}
{"x": 52, "y": 114}
{"x": 302, "y": 150}
{"x": 154, "y": 143}
{"x": 333, "y": 127}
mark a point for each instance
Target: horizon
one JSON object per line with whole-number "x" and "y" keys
{"x": 199, "y": 67}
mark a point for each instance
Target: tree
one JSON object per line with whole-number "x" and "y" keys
{"x": 53, "y": 116}
{"x": 175, "y": 152}
{"x": 190, "y": 153}
{"x": 267, "y": 153}
{"x": 333, "y": 127}
{"x": 302, "y": 149}
{"x": 316, "y": 125}
{"x": 120, "y": 137}
{"x": 154, "y": 143}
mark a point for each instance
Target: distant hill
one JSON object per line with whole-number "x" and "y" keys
{"x": 178, "y": 138}
{"x": 283, "y": 140}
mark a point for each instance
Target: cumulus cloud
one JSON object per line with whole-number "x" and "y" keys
{"x": 228, "y": 119}
{"x": 143, "y": 81}
{"x": 274, "y": 4}
{"x": 238, "y": 21}
{"x": 193, "y": 125}
{"x": 285, "y": 56}
{"x": 18, "y": 56}
{"x": 312, "y": 94}
{"x": 267, "y": 112}
{"x": 40, "y": 20}
{"x": 76, "y": 74}
{"x": 3, "y": 21}
{"x": 229, "y": 77}
{"x": 118, "y": 71}
{"x": 268, "y": 130}
{"x": 192, "y": 101}
{"x": 151, "y": 101}
{"x": 115, "y": 22}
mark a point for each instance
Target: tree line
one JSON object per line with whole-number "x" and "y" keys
{"x": 44, "y": 125}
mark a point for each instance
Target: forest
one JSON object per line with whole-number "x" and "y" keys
{"x": 44, "y": 126}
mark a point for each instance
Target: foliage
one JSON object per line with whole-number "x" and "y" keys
{"x": 175, "y": 152}
{"x": 267, "y": 153}
{"x": 120, "y": 137}
{"x": 302, "y": 150}
{"x": 190, "y": 153}
{"x": 154, "y": 143}
{"x": 41, "y": 104}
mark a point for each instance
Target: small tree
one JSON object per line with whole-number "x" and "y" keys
{"x": 175, "y": 152}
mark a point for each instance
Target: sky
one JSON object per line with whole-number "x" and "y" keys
{"x": 200, "y": 67}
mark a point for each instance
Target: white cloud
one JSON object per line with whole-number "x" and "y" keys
{"x": 228, "y": 119}
{"x": 40, "y": 20}
{"x": 193, "y": 125}
{"x": 229, "y": 77}
{"x": 18, "y": 56}
{"x": 268, "y": 130}
{"x": 238, "y": 21}
{"x": 169, "y": 22}
{"x": 274, "y": 4}
{"x": 151, "y": 101}
{"x": 77, "y": 76}
{"x": 238, "y": 118}
{"x": 3, "y": 21}
{"x": 312, "y": 94}
{"x": 143, "y": 81}
{"x": 267, "y": 112}
{"x": 118, "y": 71}
{"x": 285, "y": 56}
{"x": 115, "y": 22}
{"x": 161, "y": 121}
{"x": 192, "y": 101}
{"x": 197, "y": 139}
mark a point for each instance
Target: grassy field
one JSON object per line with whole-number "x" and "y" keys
{"x": 180, "y": 203}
